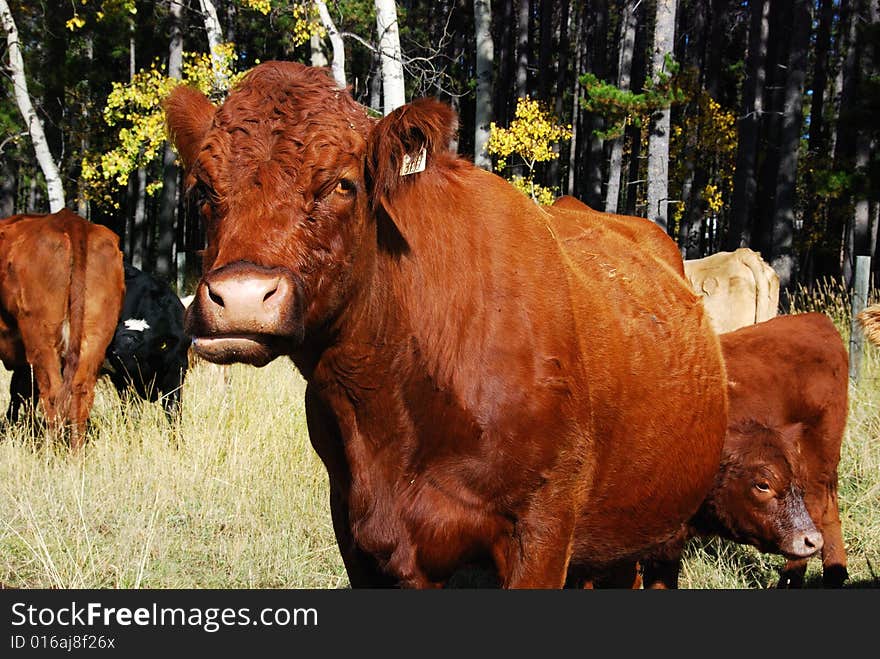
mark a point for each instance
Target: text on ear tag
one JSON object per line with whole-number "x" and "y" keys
{"x": 414, "y": 164}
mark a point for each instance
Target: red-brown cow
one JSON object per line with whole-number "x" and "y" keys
{"x": 648, "y": 235}
{"x": 777, "y": 485}
{"x": 61, "y": 291}
{"x": 487, "y": 381}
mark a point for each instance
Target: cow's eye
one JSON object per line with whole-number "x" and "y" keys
{"x": 163, "y": 346}
{"x": 344, "y": 186}
{"x": 202, "y": 196}
{"x": 762, "y": 486}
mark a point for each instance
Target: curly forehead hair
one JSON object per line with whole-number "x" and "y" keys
{"x": 295, "y": 95}
{"x": 281, "y": 126}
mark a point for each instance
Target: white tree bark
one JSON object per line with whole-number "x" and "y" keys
{"x": 316, "y": 45}
{"x": 338, "y": 66}
{"x": 658, "y": 140}
{"x": 31, "y": 120}
{"x": 392, "y": 61}
{"x": 215, "y": 38}
{"x": 624, "y": 67}
{"x": 485, "y": 57}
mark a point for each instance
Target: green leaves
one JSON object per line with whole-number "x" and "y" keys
{"x": 621, "y": 107}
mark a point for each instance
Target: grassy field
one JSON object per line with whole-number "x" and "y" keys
{"x": 237, "y": 498}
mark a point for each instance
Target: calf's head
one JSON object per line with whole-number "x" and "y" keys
{"x": 758, "y": 496}
{"x": 288, "y": 175}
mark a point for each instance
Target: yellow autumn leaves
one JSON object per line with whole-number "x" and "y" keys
{"x": 135, "y": 107}
{"x": 531, "y": 137}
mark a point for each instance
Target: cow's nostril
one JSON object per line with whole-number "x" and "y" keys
{"x": 216, "y": 299}
{"x": 270, "y": 293}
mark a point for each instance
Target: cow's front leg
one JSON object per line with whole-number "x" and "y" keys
{"x": 362, "y": 569}
{"x": 834, "y": 571}
{"x": 539, "y": 549}
{"x": 793, "y": 573}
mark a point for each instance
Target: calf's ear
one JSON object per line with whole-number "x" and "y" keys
{"x": 405, "y": 143}
{"x": 188, "y": 116}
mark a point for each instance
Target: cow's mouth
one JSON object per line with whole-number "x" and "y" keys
{"x": 794, "y": 554}
{"x": 253, "y": 349}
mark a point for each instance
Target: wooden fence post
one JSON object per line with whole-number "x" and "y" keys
{"x": 859, "y": 302}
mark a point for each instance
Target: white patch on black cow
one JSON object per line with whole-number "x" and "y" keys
{"x": 136, "y": 325}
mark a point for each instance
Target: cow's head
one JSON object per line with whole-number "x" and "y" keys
{"x": 149, "y": 348}
{"x": 759, "y": 494}
{"x": 289, "y": 176}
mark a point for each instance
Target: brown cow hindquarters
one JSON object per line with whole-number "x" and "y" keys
{"x": 61, "y": 295}
{"x": 105, "y": 285}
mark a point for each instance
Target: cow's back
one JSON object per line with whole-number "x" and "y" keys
{"x": 644, "y": 233}
{"x": 35, "y": 257}
{"x": 61, "y": 291}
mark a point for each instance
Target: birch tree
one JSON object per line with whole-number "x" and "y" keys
{"x": 336, "y": 43}
{"x": 215, "y": 39}
{"x": 485, "y": 53}
{"x": 392, "y": 62}
{"x": 31, "y": 120}
{"x": 624, "y": 67}
{"x": 658, "y": 139}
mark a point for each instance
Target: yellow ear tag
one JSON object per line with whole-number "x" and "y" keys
{"x": 414, "y": 164}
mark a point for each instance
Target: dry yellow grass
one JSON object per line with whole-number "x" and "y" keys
{"x": 235, "y": 498}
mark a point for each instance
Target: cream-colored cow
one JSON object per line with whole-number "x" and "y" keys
{"x": 738, "y": 288}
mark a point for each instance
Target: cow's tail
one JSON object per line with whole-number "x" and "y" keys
{"x": 869, "y": 321}
{"x": 75, "y": 310}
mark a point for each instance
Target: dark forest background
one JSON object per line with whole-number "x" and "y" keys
{"x": 774, "y": 108}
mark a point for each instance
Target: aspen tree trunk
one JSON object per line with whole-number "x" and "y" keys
{"x": 215, "y": 38}
{"x": 658, "y": 139}
{"x": 393, "y": 95}
{"x": 23, "y": 99}
{"x": 338, "y": 65}
{"x": 624, "y": 67}
{"x": 485, "y": 56}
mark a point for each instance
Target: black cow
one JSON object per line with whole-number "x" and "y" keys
{"x": 149, "y": 349}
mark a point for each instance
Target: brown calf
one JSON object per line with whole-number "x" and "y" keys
{"x": 777, "y": 485}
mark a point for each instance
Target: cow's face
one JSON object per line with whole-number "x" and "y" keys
{"x": 759, "y": 496}
{"x": 287, "y": 183}
{"x": 277, "y": 175}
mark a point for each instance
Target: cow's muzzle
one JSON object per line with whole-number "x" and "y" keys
{"x": 246, "y": 313}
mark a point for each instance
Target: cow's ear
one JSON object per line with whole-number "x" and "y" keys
{"x": 405, "y": 143}
{"x": 188, "y": 116}
{"x": 792, "y": 433}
